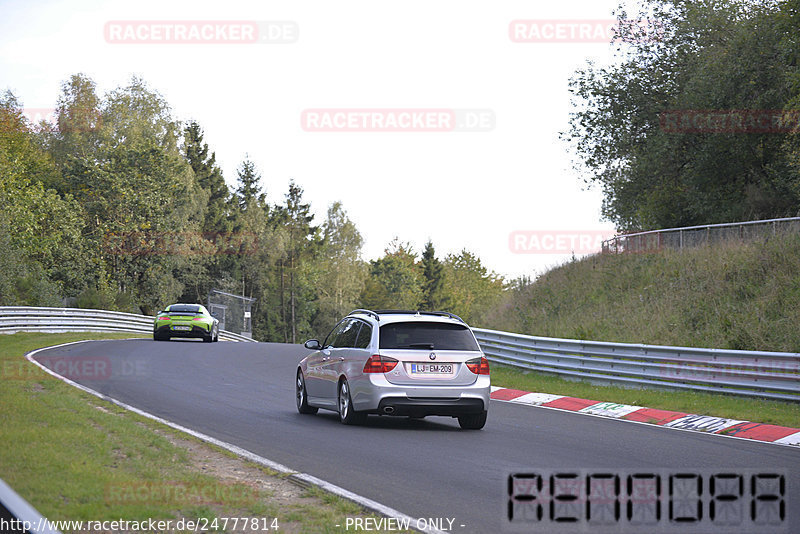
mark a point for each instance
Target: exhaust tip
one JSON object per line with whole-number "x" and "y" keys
{"x": 388, "y": 410}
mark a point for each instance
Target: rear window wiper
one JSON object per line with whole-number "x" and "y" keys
{"x": 420, "y": 345}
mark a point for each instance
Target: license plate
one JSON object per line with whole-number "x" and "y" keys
{"x": 180, "y": 327}
{"x": 431, "y": 368}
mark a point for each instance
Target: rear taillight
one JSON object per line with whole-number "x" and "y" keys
{"x": 163, "y": 318}
{"x": 479, "y": 366}
{"x": 197, "y": 319}
{"x": 379, "y": 364}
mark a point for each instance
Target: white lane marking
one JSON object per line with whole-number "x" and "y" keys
{"x": 791, "y": 439}
{"x": 327, "y": 486}
{"x": 610, "y": 409}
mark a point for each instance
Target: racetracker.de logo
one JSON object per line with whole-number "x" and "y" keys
{"x": 397, "y": 120}
{"x": 730, "y": 121}
{"x": 79, "y": 367}
{"x": 181, "y": 493}
{"x": 582, "y": 31}
{"x": 557, "y": 241}
{"x": 37, "y": 115}
{"x": 200, "y": 32}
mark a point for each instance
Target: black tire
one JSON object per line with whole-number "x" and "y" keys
{"x": 210, "y": 337}
{"x": 347, "y": 415}
{"x": 472, "y": 421}
{"x": 160, "y": 337}
{"x": 301, "y": 396}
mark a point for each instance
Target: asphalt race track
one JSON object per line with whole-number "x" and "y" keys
{"x": 243, "y": 393}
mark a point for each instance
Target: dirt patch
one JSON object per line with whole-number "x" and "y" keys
{"x": 297, "y": 508}
{"x": 237, "y": 470}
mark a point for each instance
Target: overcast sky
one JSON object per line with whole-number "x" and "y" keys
{"x": 486, "y": 172}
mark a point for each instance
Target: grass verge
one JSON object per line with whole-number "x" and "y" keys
{"x": 742, "y": 296}
{"x": 76, "y": 457}
{"x": 733, "y": 407}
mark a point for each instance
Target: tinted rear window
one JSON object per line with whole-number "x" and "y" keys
{"x": 184, "y": 308}
{"x": 439, "y": 336}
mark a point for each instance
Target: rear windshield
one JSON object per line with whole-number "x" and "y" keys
{"x": 426, "y": 336}
{"x": 184, "y": 308}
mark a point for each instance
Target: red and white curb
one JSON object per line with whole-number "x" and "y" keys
{"x": 781, "y": 435}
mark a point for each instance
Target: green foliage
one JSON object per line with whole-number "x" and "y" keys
{"x": 143, "y": 207}
{"x": 470, "y": 287}
{"x": 38, "y": 223}
{"x": 337, "y": 273}
{"x": 395, "y": 280}
{"x": 23, "y": 282}
{"x": 77, "y": 133}
{"x": 735, "y": 296}
{"x": 118, "y": 206}
{"x": 433, "y": 289}
{"x": 302, "y": 243}
{"x": 105, "y": 299}
{"x": 709, "y": 56}
{"x": 248, "y": 193}
{"x": 209, "y": 178}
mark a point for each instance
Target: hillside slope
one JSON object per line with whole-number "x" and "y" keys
{"x": 735, "y": 296}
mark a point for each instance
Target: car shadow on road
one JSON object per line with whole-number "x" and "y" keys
{"x": 428, "y": 424}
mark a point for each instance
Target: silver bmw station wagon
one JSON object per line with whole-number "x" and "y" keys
{"x": 399, "y": 363}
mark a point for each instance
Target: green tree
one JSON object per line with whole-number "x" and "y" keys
{"x": 712, "y": 55}
{"x": 337, "y": 274}
{"x": 39, "y": 225}
{"x": 141, "y": 201}
{"x": 209, "y": 178}
{"x": 78, "y": 120}
{"x": 251, "y": 213}
{"x": 248, "y": 191}
{"x": 433, "y": 285}
{"x": 207, "y": 270}
{"x": 395, "y": 281}
{"x": 303, "y": 238}
{"x": 471, "y": 288}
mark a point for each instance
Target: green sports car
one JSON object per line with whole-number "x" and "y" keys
{"x": 186, "y": 320}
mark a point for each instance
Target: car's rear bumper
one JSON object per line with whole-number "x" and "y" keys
{"x": 422, "y": 407}
{"x": 374, "y": 394}
{"x": 196, "y": 331}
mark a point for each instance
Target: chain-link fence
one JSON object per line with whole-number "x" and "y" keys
{"x": 694, "y": 236}
{"x": 233, "y": 311}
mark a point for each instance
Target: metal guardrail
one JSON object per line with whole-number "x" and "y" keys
{"x": 39, "y": 319}
{"x": 773, "y": 375}
{"x": 16, "y": 515}
{"x": 693, "y": 236}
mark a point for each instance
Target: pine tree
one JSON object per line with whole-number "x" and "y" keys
{"x": 248, "y": 193}
{"x": 301, "y": 235}
{"x": 209, "y": 177}
{"x": 433, "y": 278}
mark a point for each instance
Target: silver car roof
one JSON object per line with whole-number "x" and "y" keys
{"x": 396, "y": 316}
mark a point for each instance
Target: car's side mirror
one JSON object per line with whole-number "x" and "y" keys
{"x": 312, "y": 344}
